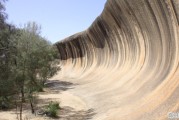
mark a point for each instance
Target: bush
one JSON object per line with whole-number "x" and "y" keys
{"x": 5, "y": 103}
{"x": 52, "y": 109}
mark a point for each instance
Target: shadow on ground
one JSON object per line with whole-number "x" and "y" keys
{"x": 68, "y": 113}
{"x": 58, "y": 85}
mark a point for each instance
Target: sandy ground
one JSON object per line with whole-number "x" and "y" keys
{"x": 73, "y": 108}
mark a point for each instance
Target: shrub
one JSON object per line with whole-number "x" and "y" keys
{"x": 52, "y": 109}
{"x": 6, "y": 102}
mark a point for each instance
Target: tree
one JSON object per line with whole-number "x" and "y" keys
{"x": 35, "y": 61}
{"x": 7, "y": 51}
{"x": 27, "y": 60}
{"x": 3, "y": 15}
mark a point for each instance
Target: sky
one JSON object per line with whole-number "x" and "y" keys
{"x": 58, "y": 18}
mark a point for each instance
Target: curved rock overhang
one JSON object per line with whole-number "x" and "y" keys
{"x": 128, "y": 59}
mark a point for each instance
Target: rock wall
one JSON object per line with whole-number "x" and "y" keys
{"x": 127, "y": 62}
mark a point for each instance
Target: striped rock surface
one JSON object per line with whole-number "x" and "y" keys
{"x": 126, "y": 64}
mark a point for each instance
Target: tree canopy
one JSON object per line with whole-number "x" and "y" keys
{"x": 27, "y": 60}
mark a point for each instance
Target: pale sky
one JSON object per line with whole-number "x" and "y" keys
{"x": 58, "y": 18}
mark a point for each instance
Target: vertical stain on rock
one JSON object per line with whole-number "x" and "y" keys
{"x": 127, "y": 61}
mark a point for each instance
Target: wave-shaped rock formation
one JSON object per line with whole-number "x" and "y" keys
{"x": 126, "y": 63}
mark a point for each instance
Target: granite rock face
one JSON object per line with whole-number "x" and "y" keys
{"x": 127, "y": 61}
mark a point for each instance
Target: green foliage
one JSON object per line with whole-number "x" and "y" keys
{"x": 6, "y": 102}
{"x": 7, "y": 57}
{"x": 27, "y": 60}
{"x": 52, "y": 109}
{"x": 54, "y": 104}
{"x": 35, "y": 61}
{"x": 3, "y": 15}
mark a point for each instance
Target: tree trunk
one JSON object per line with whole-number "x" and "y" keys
{"x": 32, "y": 107}
{"x": 21, "y": 108}
{"x": 22, "y": 93}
